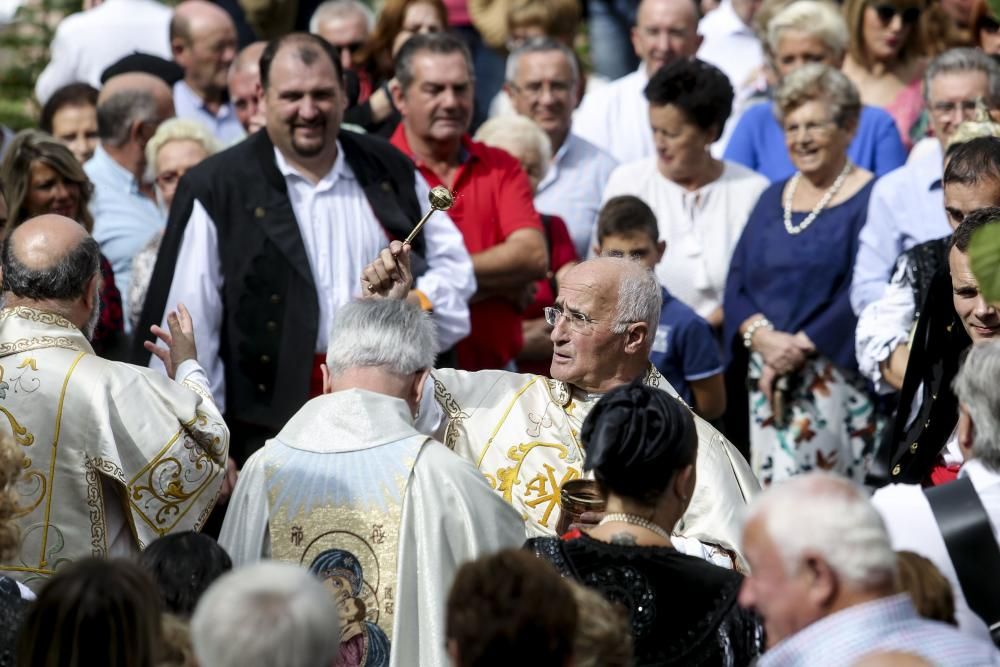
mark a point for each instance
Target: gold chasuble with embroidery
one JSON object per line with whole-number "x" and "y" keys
{"x": 115, "y": 455}
{"x": 523, "y": 433}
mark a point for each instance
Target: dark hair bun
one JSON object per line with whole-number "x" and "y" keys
{"x": 636, "y": 437}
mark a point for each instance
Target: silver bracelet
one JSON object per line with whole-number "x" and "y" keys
{"x": 759, "y": 323}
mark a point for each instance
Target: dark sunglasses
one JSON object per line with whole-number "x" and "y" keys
{"x": 887, "y": 12}
{"x": 353, "y": 47}
{"x": 988, "y": 24}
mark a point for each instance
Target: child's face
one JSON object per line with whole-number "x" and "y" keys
{"x": 637, "y": 246}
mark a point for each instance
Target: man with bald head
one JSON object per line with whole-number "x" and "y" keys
{"x": 523, "y": 431}
{"x": 129, "y": 109}
{"x": 115, "y": 455}
{"x": 244, "y": 87}
{"x": 346, "y": 25}
{"x": 616, "y": 116}
{"x": 203, "y": 41}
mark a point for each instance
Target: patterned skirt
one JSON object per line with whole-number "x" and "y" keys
{"x": 829, "y": 424}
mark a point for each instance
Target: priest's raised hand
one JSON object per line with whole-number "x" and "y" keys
{"x": 388, "y": 276}
{"x": 179, "y": 340}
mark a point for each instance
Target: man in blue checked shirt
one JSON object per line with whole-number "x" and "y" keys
{"x": 824, "y": 581}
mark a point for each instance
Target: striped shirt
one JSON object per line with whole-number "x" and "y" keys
{"x": 887, "y": 624}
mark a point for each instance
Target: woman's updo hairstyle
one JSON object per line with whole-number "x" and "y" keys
{"x": 636, "y": 438}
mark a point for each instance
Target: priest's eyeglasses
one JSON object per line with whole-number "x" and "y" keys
{"x": 577, "y": 321}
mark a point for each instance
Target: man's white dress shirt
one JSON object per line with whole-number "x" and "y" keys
{"x": 883, "y": 325}
{"x": 615, "y": 118}
{"x": 341, "y": 236}
{"x": 912, "y": 527}
{"x": 906, "y": 208}
{"x": 731, "y": 45}
{"x": 87, "y": 43}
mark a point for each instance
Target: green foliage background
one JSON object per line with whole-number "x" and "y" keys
{"x": 24, "y": 52}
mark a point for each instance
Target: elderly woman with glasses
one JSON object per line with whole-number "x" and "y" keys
{"x": 527, "y": 142}
{"x": 886, "y": 58}
{"x": 787, "y": 296}
{"x": 804, "y": 32}
{"x": 178, "y": 145}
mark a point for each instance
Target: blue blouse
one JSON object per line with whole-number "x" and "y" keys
{"x": 758, "y": 142}
{"x": 802, "y": 282}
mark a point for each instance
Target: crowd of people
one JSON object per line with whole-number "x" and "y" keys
{"x": 455, "y": 332}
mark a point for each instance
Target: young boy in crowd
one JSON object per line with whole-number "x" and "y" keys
{"x": 684, "y": 347}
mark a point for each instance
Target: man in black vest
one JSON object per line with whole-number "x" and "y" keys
{"x": 266, "y": 239}
{"x": 955, "y": 315}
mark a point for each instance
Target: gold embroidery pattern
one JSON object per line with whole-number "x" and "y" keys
{"x": 198, "y": 389}
{"x": 546, "y": 487}
{"x": 452, "y": 410}
{"x": 36, "y": 343}
{"x": 40, "y": 316}
{"x": 95, "y": 502}
{"x": 109, "y": 468}
{"x": 172, "y": 481}
{"x": 510, "y": 477}
{"x": 52, "y": 464}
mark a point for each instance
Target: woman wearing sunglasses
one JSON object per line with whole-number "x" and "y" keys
{"x": 886, "y": 58}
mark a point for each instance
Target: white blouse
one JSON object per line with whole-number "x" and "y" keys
{"x": 701, "y": 228}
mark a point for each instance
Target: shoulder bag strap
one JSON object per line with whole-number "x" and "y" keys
{"x": 968, "y": 536}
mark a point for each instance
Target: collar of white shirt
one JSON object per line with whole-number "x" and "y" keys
{"x": 339, "y": 170}
{"x": 981, "y": 476}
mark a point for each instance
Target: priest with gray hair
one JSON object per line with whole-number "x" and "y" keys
{"x": 383, "y": 514}
{"x": 523, "y": 431}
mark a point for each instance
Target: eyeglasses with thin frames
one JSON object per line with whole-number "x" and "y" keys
{"x": 945, "y": 109}
{"x": 813, "y": 130}
{"x": 577, "y": 321}
{"x": 534, "y": 89}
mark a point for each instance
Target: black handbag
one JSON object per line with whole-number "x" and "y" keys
{"x": 974, "y": 552}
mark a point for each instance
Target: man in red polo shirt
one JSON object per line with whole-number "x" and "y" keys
{"x": 493, "y": 201}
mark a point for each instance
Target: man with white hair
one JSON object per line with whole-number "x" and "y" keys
{"x": 346, "y": 25}
{"x": 542, "y": 78}
{"x": 522, "y": 430}
{"x": 905, "y": 508}
{"x": 266, "y": 615}
{"x": 823, "y": 579}
{"x": 350, "y": 488}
